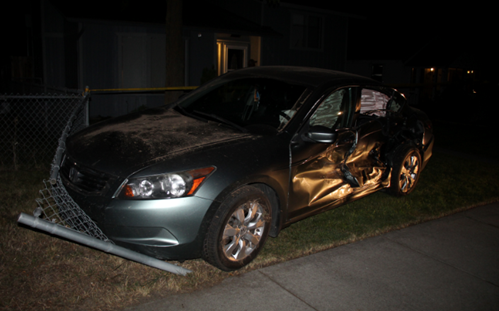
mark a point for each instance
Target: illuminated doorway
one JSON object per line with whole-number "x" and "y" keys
{"x": 232, "y": 56}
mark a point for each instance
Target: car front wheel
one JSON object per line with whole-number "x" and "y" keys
{"x": 238, "y": 229}
{"x": 406, "y": 170}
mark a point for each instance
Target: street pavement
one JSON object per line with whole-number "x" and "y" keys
{"x": 451, "y": 263}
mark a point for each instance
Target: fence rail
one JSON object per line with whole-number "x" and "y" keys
{"x": 31, "y": 124}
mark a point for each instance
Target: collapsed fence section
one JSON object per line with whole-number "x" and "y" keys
{"x": 31, "y": 125}
{"x": 57, "y": 213}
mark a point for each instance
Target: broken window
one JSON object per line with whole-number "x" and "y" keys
{"x": 373, "y": 103}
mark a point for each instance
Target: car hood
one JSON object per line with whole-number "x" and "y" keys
{"x": 124, "y": 145}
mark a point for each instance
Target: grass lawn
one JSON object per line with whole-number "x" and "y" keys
{"x": 38, "y": 271}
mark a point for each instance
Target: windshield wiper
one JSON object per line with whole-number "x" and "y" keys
{"x": 223, "y": 120}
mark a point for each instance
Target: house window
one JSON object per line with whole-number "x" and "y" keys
{"x": 306, "y": 31}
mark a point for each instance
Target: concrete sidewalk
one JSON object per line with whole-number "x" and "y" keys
{"x": 447, "y": 264}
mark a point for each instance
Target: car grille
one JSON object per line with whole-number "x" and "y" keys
{"x": 84, "y": 178}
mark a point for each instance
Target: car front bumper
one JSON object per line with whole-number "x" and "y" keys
{"x": 166, "y": 229}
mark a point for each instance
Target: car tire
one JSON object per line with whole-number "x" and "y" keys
{"x": 406, "y": 168}
{"x": 238, "y": 230}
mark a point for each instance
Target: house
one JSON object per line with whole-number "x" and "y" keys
{"x": 123, "y": 46}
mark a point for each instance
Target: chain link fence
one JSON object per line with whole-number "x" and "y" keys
{"x": 55, "y": 204}
{"x": 46, "y": 118}
{"x": 30, "y": 126}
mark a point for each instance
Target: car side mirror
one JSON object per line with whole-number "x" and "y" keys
{"x": 321, "y": 134}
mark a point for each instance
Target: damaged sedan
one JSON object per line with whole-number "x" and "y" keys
{"x": 242, "y": 157}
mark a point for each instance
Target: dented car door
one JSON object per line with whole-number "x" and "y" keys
{"x": 375, "y": 122}
{"x": 324, "y": 175}
{"x": 318, "y": 168}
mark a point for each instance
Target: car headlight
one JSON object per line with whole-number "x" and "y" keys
{"x": 171, "y": 185}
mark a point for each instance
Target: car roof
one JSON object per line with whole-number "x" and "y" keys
{"x": 308, "y": 76}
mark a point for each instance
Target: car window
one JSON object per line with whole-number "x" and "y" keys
{"x": 373, "y": 102}
{"x": 334, "y": 110}
{"x": 329, "y": 111}
{"x": 396, "y": 103}
{"x": 248, "y": 102}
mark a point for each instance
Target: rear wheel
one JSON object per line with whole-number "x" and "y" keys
{"x": 238, "y": 229}
{"x": 406, "y": 170}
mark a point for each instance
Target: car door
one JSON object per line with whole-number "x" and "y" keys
{"x": 376, "y": 122}
{"x": 317, "y": 173}
{"x": 372, "y": 126}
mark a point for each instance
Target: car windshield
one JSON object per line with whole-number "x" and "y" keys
{"x": 246, "y": 103}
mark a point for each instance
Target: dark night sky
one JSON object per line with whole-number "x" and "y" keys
{"x": 397, "y": 32}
